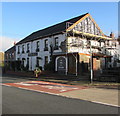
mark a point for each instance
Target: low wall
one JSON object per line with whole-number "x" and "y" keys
{"x": 29, "y": 74}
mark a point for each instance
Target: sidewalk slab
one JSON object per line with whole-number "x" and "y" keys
{"x": 104, "y": 96}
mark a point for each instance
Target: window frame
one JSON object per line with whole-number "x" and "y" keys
{"x": 56, "y": 43}
{"x": 37, "y": 46}
{"x": 18, "y": 50}
{"x": 46, "y": 61}
{"x": 28, "y": 47}
{"x": 46, "y": 45}
{"x": 23, "y": 48}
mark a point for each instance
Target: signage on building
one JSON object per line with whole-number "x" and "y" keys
{"x": 32, "y": 54}
{"x": 61, "y": 64}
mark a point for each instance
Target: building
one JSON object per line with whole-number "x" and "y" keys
{"x": 73, "y": 47}
{"x": 1, "y": 58}
{"x": 10, "y": 58}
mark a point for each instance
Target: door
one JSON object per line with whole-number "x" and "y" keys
{"x": 61, "y": 64}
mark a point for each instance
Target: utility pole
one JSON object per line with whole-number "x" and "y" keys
{"x": 76, "y": 65}
{"x": 31, "y": 55}
{"x": 66, "y": 71}
{"x": 91, "y": 64}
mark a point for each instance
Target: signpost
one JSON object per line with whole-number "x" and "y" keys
{"x": 33, "y": 54}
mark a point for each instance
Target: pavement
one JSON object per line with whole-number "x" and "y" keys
{"x": 103, "y": 93}
{"x": 102, "y": 96}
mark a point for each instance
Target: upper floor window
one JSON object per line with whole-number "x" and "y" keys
{"x": 18, "y": 49}
{"x": 37, "y": 46}
{"x": 56, "y": 43}
{"x": 28, "y": 48}
{"x": 13, "y": 55}
{"x": 23, "y": 48}
{"x": 6, "y": 56}
{"x": 115, "y": 44}
{"x": 108, "y": 43}
{"x": 10, "y": 55}
{"x": 46, "y": 45}
{"x": 87, "y": 24}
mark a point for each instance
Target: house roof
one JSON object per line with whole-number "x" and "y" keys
{"x": 10, "y": 50}
{"x": 58, "y": 28}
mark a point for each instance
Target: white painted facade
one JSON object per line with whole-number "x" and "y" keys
{"x": 41, "y": 53}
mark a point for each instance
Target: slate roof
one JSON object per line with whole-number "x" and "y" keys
{"x": 58, "y": 28}
{"x": 10, "y": 50}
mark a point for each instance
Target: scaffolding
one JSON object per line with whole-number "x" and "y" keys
{"x": 78, "y": 44}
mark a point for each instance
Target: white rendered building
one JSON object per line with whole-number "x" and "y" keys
{"x": 71, "y": 44}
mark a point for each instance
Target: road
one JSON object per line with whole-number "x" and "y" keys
{"x": 20, "y": 101}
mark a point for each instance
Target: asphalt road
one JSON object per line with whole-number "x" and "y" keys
{"x": 19, "y": 101}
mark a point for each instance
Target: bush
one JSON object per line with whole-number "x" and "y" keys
{"x": 49, "y": 66}
{"x": 23, "y": 68}
{"x": 18, "y": 63}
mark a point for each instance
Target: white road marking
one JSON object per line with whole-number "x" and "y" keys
{"x": 105, "y": 103}
{"x": 92, "y": 101}
{"x": 6, "y": 85}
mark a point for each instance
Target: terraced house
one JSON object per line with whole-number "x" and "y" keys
{"x": 69, "y": 47}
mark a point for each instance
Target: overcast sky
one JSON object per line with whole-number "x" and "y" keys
{"x": 19, "y": 19}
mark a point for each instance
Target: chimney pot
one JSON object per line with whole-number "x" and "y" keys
{"x": 112, "y": 35}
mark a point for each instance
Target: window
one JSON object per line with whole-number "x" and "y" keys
{"x": 107, "y": 43}
{"x": 46, "y": 60}
{"x": 10, "y": 55}
{"x": 37, "y": 46}
{"x": 56, "y": 44}
{"x": 37, "y": 62}
{"x": 115, "y": 44}
{"x": 22, "y": 48}
{"x": 6, "y": 56}
{"x": 94, "y": 28}
{"x": 46, "y": 45}
{"x": 27, "y": 66}
{"x": 23, "y": 61}
{"x": 13, "y": 55}
{"x": 18, "y": 49}
{"x": 28, "y": 48}
{"x": 87, "y": 24}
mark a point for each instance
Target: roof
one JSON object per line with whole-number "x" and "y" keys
{"x": 58, "y": 28}
{"x": 12, "y": 49}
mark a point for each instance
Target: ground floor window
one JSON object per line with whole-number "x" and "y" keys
{"x": 27, "y": 63}
{"x": 37, "y": 62}
{"x": 46, "y": 60}
{"x": 23, "y": 59}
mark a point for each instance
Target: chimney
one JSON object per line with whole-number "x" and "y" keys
{"x": 112, "y": 35}
{"x": 14, "y": 42}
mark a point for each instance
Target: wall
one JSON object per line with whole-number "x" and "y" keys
{"x": 41, "y": 53}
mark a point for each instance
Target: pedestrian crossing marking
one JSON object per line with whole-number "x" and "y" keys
{"x": 45, "y": 86}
